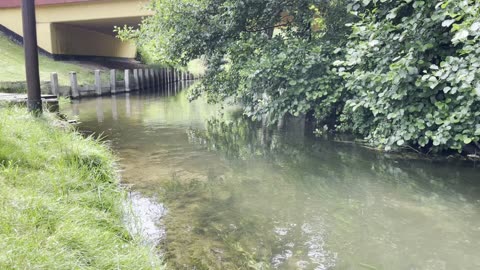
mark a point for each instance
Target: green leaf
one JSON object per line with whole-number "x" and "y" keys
{"x": 448, "y": 23}
{"x": 460, "y": 36}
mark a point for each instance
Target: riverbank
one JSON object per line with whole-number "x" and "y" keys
{"x": 60, "y": 202}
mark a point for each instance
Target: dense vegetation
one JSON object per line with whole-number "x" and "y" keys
{"x": 60, "y": 202}
{"x": 397, "y": 72}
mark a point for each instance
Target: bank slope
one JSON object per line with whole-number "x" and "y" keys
{"x": 60, "y": 203}
{"x": 12, "y": 66}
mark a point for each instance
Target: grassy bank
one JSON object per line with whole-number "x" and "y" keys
{"x": 60, "y": 203}
{"x": 13, "y": 66}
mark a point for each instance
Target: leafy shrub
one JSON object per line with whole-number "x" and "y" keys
{"x": 414, "y": 69}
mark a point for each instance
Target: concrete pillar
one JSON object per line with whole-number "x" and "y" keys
{"x": 113, "y": 81}
{"x": 74, "y": 85}
{"x": 152, "y": 78}
{"x": 54, "y": 84}
{"x": 147, "y": 78}
{"x": 162, "y": 76}
{"x": 141, "y": 79}
{"x": 98, "y": 83}
{"x": 136, "y": 79}
{"x": 127, "y": 80}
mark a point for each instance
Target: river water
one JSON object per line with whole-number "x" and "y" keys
{"x": 240, "y": 196}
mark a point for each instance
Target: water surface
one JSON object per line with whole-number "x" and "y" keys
{"x": 240, "y": 196}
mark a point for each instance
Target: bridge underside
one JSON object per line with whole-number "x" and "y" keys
{"x": 82, "y": 29}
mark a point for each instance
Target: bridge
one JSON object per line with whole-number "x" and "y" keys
{"x": 79, "y": 28}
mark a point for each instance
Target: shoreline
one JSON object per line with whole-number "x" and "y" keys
{"x": 61, "y": 204}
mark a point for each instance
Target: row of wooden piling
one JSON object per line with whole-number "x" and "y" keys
{"x": 134, "y": 80}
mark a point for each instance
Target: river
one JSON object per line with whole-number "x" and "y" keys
{"x": 241, "y": 196}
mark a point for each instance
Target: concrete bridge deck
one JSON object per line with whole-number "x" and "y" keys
{"x": 79, "y": 27}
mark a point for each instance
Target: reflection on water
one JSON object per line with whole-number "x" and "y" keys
{"x": 241, "y": 196}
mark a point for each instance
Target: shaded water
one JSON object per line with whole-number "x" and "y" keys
{"x": 240, "y": 196}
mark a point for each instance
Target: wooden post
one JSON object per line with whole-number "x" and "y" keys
{"x": 127, "y": 80}
{"x": 74, "y": 85}
{"x": 34, "y": 102}
{"x": 98, "y": 83}
{"x": 136, "y": 79}
{"x": 54, "y": 84}
{"x": 113, "y": 81}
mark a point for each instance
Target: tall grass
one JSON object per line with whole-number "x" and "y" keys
{"x": 60, "y": 203}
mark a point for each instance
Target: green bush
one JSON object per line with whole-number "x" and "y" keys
{"x": 395, "y": 72}
{"x": 413, "y": 73}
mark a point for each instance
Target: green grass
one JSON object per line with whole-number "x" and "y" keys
{"x": 60, "y": 202}
{"x": 12, "y": 63}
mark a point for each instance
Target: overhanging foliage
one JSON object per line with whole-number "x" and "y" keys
{"x": 397, "y": 72}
